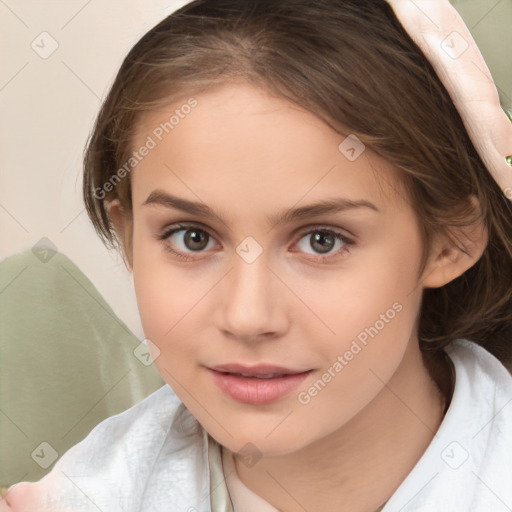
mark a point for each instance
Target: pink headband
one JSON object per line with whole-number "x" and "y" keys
{"x": 438, "y": 29}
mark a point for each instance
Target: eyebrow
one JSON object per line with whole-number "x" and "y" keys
{"x": 334, "y": 205}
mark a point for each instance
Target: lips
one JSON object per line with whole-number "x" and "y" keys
{"x": 256, "y": 385}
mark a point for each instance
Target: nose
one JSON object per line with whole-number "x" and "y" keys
{"x": 252, "y": 303}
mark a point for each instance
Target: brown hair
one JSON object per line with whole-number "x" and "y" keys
{"x": 351, "y": 63}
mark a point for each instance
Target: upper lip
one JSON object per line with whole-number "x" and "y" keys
{"x": 261, "y": 369}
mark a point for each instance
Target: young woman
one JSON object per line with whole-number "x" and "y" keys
{"x": 321, "y": 246}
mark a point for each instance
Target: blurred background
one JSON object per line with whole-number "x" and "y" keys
{"x": 70, "y": 334}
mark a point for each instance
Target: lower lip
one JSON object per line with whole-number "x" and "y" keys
{"x": 251, "y": 390}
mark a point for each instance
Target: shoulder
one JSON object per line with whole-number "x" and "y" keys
{"x": 119, "y": 461}
{"x": 147, "y": 422}
{"x": 467, "y": 464}
{"x": 475, "y": 363}
{"x": 483, "y": 396}
{"x": 482, "y": 400}
{"x": 153, "y": 412}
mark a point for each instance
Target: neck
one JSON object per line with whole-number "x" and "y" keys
{"x": 358, "y": 467}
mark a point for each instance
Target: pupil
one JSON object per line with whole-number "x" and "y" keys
{"x": 320, "y": 238}
{"x": 193, "y": 237}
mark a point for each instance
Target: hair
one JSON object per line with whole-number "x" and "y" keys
{"x": 352, "y": 64}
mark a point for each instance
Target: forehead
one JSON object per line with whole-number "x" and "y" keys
{"x": 240, "y": 142}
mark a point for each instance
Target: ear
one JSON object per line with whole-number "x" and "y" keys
{"x": 122, "y": 223}
{"x": 454, "y": 253}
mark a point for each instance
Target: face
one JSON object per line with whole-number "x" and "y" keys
{"x": 329, "y": 296}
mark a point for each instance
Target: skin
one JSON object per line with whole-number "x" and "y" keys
{"x": 247, "y": 155}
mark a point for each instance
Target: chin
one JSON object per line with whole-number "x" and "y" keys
{"x": 259, "y": 444}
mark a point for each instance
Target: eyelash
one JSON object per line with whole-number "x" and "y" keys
{"x": 175, "y": 228}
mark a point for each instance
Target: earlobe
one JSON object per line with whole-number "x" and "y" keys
{"x": 122, "y": 226}
{"x": 116, "y": 214}
{"x": 453, "y": 256}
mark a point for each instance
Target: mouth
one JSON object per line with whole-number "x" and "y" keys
{"x": 259, "y": 371}
{"x": 257, "y": 385}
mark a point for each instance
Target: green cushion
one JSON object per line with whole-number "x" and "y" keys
{"x": 66, "y": 362}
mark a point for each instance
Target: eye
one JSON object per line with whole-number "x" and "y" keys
{"x": 194, "y": 239}
{"x": 187, "y": 237}
{"x": 322, "y": 240}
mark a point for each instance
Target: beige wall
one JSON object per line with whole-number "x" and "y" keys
{"x": 48, "y": 106}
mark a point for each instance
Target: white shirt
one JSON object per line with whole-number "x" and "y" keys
{"x": 156, "y": 457}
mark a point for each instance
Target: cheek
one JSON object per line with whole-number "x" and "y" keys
{"x": 377, "y": 284}
{"x": 369, "y": 324}
{"x": 371, "y": 334}
{"x": 371, "y": 313}
{"x": 167, "y": 308}
{"x": 167, "y": 299}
